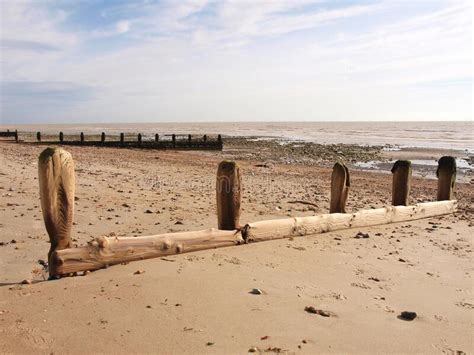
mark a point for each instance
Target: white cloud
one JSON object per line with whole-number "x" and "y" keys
{"x": 225, "y": 61}
{"x": 122, "y": 27}
{"x": 24, "y": 21}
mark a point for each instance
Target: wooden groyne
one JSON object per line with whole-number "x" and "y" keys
{"x": 166, "y": 141}
{"x": 8, "y": 134}
{"x": 57, "y": 188}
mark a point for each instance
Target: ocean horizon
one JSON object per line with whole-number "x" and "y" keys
{"x": 420, "y": 134}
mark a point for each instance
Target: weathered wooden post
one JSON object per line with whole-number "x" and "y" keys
{"x": 16, "y": 135}
{"x": 102, "y": 137}
{"x": 204, "y": 138}
{"x": 82, "y": 137}
{"x": 38, "y": 136}
{"x": 157, "y": 137}
{"x": 340, "y": 183}
{"x": 228, "y": 193}
{"x": 139, "y": 139}
{"x": 122, "y": 138}
{"x": 56, "y": 182}
{"x": 219, "y": 138}
{"x": 189, "y": 138}
{"x": 173, "y": 139}
{"x": 401, "y": 183}
{"x": 61, "y": 137}
{"x": 446, "y": 174}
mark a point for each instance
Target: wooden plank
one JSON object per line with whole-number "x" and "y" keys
{"x": 106, "y": 251}
{"x": 401, "y": 183}
{"x": 298, "y": 226}
{"x": 446, "y": 174}
{"x": 340, "y": 183}
{"x": 56, "y": 182}
{"x": 228, "y": 186}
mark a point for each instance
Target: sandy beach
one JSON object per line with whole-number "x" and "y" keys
{"x": 236, "y": 177}
{"x": 201, "y": 302}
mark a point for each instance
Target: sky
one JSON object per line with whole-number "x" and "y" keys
{"x": 104, "y": 61}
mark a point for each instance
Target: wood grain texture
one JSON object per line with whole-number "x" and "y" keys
{"x": 446, "y": 174}
{"x": 299, "y": 226}
{"x": 401, "y": 182}
{"x": 340, "y": 182}
{"x": 57, "y": 185}
{"x": 228, "y": 195}
{"x": 106, "y": 251}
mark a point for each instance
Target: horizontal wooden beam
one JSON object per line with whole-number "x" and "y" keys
{"x": 299, "y": 226}
{"x": 105, "y": 251}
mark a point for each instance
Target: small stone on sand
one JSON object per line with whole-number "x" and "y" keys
{"x": 406, "y": 315}
{"x": 256, "y": 291}
{"x": 361, "y": 235}
{"x": 311, "y": 309}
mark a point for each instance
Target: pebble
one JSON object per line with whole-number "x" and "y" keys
{"x": 42, "y": 263}
{"x": 253, "y": 349}
{"x": 256, "y": 291}
{"x": 361, "y": 235}
{"x": 311, "y": 309}
{"x": 406, "y": 315}
{"x": 26, "y": 282}
{"x": 138, "y": 272}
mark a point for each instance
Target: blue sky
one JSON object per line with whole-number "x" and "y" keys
{"x": 144, "y": 61}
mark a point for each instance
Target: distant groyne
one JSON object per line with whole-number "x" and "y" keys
{"x": 156, "y": 141}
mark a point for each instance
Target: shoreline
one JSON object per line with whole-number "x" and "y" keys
{"x": 436, "y": 134}
{"x": 358, "y": 157}
{"x": 271, "y": 150}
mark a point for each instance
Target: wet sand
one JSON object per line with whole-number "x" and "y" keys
{"x": 200, "y": 302}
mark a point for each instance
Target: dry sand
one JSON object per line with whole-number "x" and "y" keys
{"x": 200, "y": 302}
